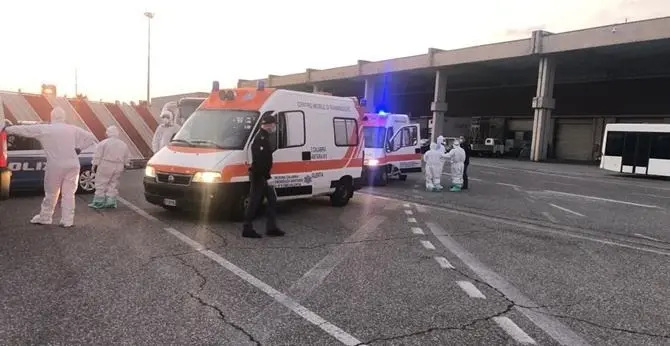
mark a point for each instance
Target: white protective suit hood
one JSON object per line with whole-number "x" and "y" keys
{"x": 58, "y": 116}
{"x": 440, "y": 143}
{"x": 171, "y": 111}
{"x": 112, "y": 132}
{"x": 168, "y": 128}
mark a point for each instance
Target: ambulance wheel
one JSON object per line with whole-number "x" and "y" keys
{"x": 382, "y": 178}
{"x": 343, "y": 192}
{"x": 238, "y": 207}
{"x": 403, "y": 177}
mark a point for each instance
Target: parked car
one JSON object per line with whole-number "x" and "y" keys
{"x": 27, "y": 161}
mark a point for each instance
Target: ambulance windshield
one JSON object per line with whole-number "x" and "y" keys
{"x": 374, "y": 136}
{"x": 219, "y": 128}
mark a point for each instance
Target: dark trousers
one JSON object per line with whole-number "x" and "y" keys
{"x": 260, "y": 189}
{"x": 465, "y": 176}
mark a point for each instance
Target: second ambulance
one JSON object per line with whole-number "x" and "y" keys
{"x": 392, "y": 147}
{"x": 319, "y": 150}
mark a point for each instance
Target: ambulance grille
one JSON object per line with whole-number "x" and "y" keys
{"x": 177, "y": 179}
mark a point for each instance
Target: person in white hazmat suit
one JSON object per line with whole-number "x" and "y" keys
{"x": 434, "y": 159}
{"x": 168, "y": 127}
{"x": 457, "y": 158}
{"x": 61, "y": 176}
{"x": 109, "y": 160}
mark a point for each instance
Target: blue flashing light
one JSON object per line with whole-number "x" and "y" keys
{"x": 363, "y": 102}
{"x": 382, "y": 113}
{"x": 260, "y": 85}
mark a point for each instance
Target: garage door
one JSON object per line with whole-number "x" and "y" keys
{"x": 519, "y": 125}
{"x": 574, "y": 139}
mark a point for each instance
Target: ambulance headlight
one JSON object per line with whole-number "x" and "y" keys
{"x": 371, "y": 162}
{"x": 207, "y": 177}
{"x": 150, "y": 172}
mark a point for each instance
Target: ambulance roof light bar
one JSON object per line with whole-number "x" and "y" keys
{"x": 215, "y": 86}
{"x": 260, "y": 85}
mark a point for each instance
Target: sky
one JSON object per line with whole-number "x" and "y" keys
{"x": 195, "y": 42}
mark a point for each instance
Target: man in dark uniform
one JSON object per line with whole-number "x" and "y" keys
{"x": 259, "y": 174}
{"x": 466, "y": 147}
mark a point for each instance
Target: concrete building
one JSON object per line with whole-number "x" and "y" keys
{"x": 552, "y": 91}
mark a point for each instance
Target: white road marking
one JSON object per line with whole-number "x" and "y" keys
{"x": 418, "y": 196}
{"x": 549, "y": 216}
{"x": 281, "y": 298}
{"x": 602, "y": 199}
{"x": 444, "y": 264}
{"x": 554, "y": 328}
{"x": 417, "y": 230}
{"x": 583, "y": 177}
{"x": 471, "y": 290}
{"x": 646, "y": 237}
{"x": 536, "y": 228}
{"x": 488, "y": 172}
{"x": 428, "y": 245}
{"x": 513, "y": 330}
{"x": 474, "y": 179}
{"x": 420, "y": 208}
{"x": 566, "y": 210}
{"x": 408, "y": 212}
{"x": 314, "y": 277}
{"x": 391, "y": 206}
{"x": 516, "y": 187}
{"x": 411, "y": 220}
{"x": 406, "y": 205}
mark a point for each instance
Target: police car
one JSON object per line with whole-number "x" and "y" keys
{"x": 27, "y": 161}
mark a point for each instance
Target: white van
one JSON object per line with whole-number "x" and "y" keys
{"x": 392, "y": 147}
{"x": 319, "y": 150}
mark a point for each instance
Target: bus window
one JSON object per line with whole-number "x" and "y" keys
{"x": 614, "y": 144}
{"x": 660, "y": 146}
{"x": 642, "y": 149}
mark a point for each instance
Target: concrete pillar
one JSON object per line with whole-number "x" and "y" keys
{"x": 543, "y": 104}
{"x": 439, "y": 104}
{"x": 369, "y": 94}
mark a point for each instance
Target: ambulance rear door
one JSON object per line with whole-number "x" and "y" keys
{"x": 404, "y": 149}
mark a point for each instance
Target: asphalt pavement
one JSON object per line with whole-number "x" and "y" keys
{"x": 532, "y": 253}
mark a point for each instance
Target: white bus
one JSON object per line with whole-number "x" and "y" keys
{"x": 642, "y": 149}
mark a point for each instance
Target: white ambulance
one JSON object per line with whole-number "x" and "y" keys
{"x": 392, "y": 147}
{"x": 319, "y": 150}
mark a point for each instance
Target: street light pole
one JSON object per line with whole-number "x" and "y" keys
{"x": 149, "y": 15}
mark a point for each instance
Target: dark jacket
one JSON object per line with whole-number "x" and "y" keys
{"x": 261, "y": 155}
{"x": 466, "y": 147}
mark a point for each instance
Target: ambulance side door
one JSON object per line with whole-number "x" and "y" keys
{"x": 404, "y": 149}
{"x": 291, "y": 159}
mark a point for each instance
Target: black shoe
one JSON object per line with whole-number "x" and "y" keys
{"x": 464, "y": 188}
{"x": 250, "y": 233}
{"x": 275, "y": 232}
